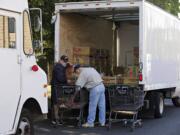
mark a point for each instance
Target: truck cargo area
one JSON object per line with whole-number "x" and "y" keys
{"x": 107, "y": 39}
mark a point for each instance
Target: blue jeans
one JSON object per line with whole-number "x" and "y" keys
{"x": 97, "y": 98}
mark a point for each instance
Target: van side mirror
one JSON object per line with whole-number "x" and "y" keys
{"x": 37, "y": 23}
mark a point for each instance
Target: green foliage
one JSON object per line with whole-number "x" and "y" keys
{"x": 172, "y": 6}
{"x": 47, "y": 7}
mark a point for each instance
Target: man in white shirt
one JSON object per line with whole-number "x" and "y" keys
{"x": 90, "y": 79}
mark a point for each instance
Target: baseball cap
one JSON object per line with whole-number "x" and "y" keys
{"x": 77, "y": 66}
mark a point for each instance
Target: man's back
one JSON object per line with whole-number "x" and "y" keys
{"x": 58, "y": 75}
{"x": 89, "y": 78}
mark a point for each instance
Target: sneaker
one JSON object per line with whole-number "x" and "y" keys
{"x": 56, "y": 123}
{"x": 87, "y": 125}
{"x": 53, "y": 122}
{"x": 102, "y": 125}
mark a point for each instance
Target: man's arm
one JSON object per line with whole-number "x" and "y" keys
{"x": 77, "y": 90}
{"x": 81, "y": 81}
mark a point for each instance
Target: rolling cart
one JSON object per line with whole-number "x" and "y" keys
{"x": 68, "y": 102}
{"x": 126, "y": 100}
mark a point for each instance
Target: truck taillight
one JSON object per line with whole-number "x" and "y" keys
{"x": 140, "y": 77}
{"x": 34, "y": 68}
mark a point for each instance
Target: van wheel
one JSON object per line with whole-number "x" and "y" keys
{"x": 158, "y": 105}
{"x": 25, "y": 126}
{"x": 176, "y": 101}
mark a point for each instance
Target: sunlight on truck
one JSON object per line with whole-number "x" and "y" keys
{"x": 131, "y": 43}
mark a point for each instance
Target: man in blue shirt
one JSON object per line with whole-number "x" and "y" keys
{"x": 58, "y": 78}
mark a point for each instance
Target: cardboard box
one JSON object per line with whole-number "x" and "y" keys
{"x": 136, "y": 61}
{"x": 136, "y": 55}
{"x": 83, "y": 51}
{"x": 102, "y": 53}
{"x": 82, "y": 60}
{"x": 136, "y": 51}
{"x": 127, "y": 80}
{"x": 112, "y": 80}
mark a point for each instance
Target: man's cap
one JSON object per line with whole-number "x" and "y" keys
{"x": 64, "y": 58}
{"x": 77, "y": 66}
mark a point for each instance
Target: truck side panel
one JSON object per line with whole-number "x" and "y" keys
{"x": 161, "y": 43}
{"x": 13, "y": 5}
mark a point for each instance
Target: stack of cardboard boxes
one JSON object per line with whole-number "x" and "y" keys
{"x": 131, "y": 75}
{"x": 87, "y": 56}
{"x": 132, "y": 72}
{"x": 100, "y": 60}
{"x": 83, "y": 56}
{"x": 108, "y": 80}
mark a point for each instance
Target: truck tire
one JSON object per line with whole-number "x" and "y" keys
{"x": 25, "y": 126}
{"x": 158, "y": 105}
{"x": 176, "y": 101}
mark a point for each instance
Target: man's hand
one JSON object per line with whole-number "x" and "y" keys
{"x": 69, "y": 81}
{"x": 75, "y": 94}
{"x": 78, "y": 88}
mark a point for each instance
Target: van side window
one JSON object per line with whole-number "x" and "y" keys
{"x": 7, "y": 32}
{"x": 28, "y": 49}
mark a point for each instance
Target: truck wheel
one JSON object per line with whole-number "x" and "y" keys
{"x": 176, "y": 101}
{"x": 25, "y": 126}
{"x": 158, "y": 105}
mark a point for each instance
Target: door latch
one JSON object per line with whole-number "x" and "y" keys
{"x": 19, "y": 59}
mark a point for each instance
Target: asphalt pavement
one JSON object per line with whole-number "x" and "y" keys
{"x": 168, "y": 125}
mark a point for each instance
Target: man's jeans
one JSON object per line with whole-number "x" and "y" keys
{"x": 97, "y": 98}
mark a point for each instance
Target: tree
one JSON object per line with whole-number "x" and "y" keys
{"x": 172, "y": 6}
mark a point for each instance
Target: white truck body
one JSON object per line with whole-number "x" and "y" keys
{"x": 159, "y": 44}
{"x": 19, "y": 84}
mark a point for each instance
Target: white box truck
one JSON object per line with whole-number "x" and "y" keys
{"x": 23, "y": 83}
{"x": 120, "y": 26}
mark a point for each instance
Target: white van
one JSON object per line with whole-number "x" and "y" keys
{"x": 23, "y": 83}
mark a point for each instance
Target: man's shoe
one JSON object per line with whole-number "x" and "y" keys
{"x": 87, "y": 125}
{"x": 53, "y": 122}
{"x": 56, "y": 123}
{"x": 102, "y": 125}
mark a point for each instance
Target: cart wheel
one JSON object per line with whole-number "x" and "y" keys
{"x": 125, "y": 123}
{"x": 140, "y": 124}
{"x": 54, "y": 126}
{"x": 132, "y": 127}
{"x": 79, "y": 124}
{"x": 109, "y": 126}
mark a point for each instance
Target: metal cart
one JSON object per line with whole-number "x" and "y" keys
{"x": 126, "y": 100}
{"x": 66, "y": 95}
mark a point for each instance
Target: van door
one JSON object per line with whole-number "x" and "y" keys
{"x": 9, "y": 68}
